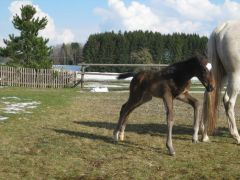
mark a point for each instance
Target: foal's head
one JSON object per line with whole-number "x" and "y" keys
{"x": 203, "y": 72}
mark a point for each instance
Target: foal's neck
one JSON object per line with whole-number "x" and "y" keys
{"x": 186, "y": 70}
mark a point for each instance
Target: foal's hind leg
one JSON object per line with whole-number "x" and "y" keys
{"x": 204, "y": 119}
{"x": 145, "y": 98}
{"x": 187, "y": 98}
{"x": 124, "y": 113}
{"x": 168, "y": 102}
{"x": 229, "y": 100}
{"x": 135, "y": 100}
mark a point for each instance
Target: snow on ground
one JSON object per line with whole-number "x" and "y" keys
{"x": 11, "y": 97}
{"x": 16, "y": 105}
{"x": 2, "y": 118}
{"x": 109, "y": 77}
{"x": 14, "y": 108}
{"x": 103, "y": 77}
{"x": 99, "y": 89}
{"x": 100, "y": 86}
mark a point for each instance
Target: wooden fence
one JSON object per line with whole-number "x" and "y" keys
{"x": 42, "y": 78}
{"x": 50, "y": 78}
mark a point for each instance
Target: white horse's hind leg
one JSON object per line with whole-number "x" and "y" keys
{"x": 229, "y": 101}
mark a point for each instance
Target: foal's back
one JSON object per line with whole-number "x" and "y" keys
{"x": 174, "y": 80}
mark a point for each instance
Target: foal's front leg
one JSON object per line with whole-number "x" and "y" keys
{"x": 168, "y": 102}
{"x": 187, "y": 98}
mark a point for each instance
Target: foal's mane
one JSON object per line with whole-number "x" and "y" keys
{"x": 176, "y": 69}
{"x": 181, "y": 66}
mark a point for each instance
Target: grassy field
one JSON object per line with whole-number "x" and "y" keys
{"x": 69, "y": 136}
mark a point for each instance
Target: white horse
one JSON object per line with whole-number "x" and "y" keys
{"x": 224, "y": 54}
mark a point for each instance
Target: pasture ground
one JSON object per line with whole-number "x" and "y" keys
{"x": 69, "y": 136}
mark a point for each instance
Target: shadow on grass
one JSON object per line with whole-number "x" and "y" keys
{"x": 152, "y": 128}
{"x": 221, "y": 131}
{"x": 149, "y": 128}
{"x": 106, "y": 139}
{"x": 85, "y": 135}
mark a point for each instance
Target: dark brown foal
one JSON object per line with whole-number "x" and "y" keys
{"x": 173, "y": 82}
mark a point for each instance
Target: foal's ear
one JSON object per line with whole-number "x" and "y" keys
{"x": 200, "y": 56}
{"x": 205, "y": 54}
{"x": 201, "y": 59}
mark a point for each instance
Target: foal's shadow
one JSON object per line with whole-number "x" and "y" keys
{"x": 148, "y": 128}
{"x": 84, "y": 135}
{"x": 106, "y": 139}
{"x": 153, "y": 129}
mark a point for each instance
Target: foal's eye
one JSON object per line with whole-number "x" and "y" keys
{"x": 204, "y": 69}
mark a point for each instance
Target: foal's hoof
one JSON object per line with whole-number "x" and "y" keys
{"x": 115, "y": 136}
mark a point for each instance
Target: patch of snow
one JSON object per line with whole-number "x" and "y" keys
{"x": 6, "y": 102}
{"x": 99, "y": 89}
{"x": 102, "y": 77}
{"x": 14, "y": 108}
{"x": 106, "y": 77}
{"x": 2, "y": 118}
{"x": 32, "y": 107}
{"x": 12, "y": 97}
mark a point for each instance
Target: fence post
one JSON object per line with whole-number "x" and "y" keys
{"x": 82, "y": 75}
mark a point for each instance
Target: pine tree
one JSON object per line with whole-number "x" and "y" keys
{"x": 28, "y": 49}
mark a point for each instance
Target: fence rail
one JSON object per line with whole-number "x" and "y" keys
{"x": 42, "y": 78}
{"x": 83, "y": 72}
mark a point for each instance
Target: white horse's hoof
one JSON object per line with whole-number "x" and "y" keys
{"x": 205, "y": 139}
{"x": 121, "y": 136}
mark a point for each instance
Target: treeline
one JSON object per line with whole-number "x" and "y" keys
{"x": 67, "y": 54}
{"x": 141, "y": 47}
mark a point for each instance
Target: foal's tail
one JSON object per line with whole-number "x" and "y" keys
{"x": 211, "y": 99}
{"x": 125, "y": 75}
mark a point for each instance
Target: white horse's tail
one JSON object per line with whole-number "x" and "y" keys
{"x": 211, "y": 99}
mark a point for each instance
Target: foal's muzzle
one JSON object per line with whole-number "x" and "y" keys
{"x": 209, "y": 88}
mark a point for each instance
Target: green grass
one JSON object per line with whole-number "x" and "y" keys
{"x": 69, "y": 136}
